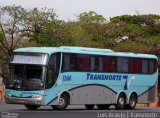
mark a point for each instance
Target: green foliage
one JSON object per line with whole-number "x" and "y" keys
{"x": 91, "y": 17}
{"x": 126, "y": 19}
{"x": 41, "y": 27}
{"x": 131, "y": 46}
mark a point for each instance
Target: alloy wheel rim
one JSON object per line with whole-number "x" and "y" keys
{"x": 121, "y": 101}
{"x": 61, "y": 101}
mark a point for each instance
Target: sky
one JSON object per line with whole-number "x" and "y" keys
{"x": 70, "y": 9}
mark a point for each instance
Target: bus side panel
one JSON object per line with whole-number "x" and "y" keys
{"x": 149, "y": 96}
{"x": 92, "y": 94}
{"x": 146, "y": 88}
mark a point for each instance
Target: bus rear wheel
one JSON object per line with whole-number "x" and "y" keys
{"x": 132, "y": 102}
{"x": 63, "y": 103}
{"x": 121, "y": 102}
{"x": 103, "y": 106}
{"x": 32, "y": 107}
{"x": 89, "y": 106}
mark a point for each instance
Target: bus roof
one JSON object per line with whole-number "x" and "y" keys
{"x": 82, "y": 50}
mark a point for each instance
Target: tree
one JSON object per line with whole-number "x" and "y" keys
{"x": 11, "y": 36}
{"x": 43, "y": 27}
{"x": 94, "y": 26}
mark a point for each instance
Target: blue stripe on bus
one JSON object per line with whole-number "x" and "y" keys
{"x": 91, "y": 85}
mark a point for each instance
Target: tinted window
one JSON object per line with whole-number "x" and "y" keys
{"x": 53, "y": 70}
{"x": 82, "y": 63}
{"x": 66, "y": 62}
{"x": 69, "y": 62}
{"x": 96, "y": 63}
{"x": 145, "y": 66}
{"x": 106, "y": 64}
{"x": 76, "y": 62}
{"x": 122, "y": 64}
{"x": 135, "y": 66}
{"x": 54, "y": 62}
{"x": 152, "y": 66}
{"x": 110, "y": 64}
{"x": 72, "y": 62}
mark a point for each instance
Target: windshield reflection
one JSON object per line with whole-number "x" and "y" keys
{"x": 25, "y": 77}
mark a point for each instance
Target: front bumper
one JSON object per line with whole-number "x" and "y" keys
{"x": 21, "y": 100}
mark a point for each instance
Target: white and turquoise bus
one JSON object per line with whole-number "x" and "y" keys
{"x": 62, "y": 76}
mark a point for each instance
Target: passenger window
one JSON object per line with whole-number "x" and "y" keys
{"x": 66, "y": 62}
{"x": 152, "y": 66}
{"x": 135, "y": 66}
{"x": 145, "y": 66}
{"x": 96, "y": 63}
{"x": 122, "y": 65}
{"x": 69, "y": 62}
{"x": 83, "y": 62}
{"x": 106, "y": 64}
{"x": 72, "y": 62}
{"x": 113, "y": 64}
{"x": 110, "y": 64}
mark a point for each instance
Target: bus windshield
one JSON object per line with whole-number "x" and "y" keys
{"x": 25, "y": 77}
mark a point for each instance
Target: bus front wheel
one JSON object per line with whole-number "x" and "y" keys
{"x": 32, "y": 107}
{"x": 121, "y": 102}
{"x": 89, "y": 106}
{"x": 63, "y": 103}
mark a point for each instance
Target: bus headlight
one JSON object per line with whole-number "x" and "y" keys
{"x": 8, "y": 95}
{"x": 36, "y": 96}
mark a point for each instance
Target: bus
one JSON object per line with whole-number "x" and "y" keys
{"x": 68, "y": 75}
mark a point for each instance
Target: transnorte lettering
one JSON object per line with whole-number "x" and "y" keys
{"x": 103, "y": 77}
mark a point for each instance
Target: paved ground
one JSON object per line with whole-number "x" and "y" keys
{"x": 76, "y": 111}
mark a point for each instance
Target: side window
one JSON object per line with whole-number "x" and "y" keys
{"x": 53, "y": 70}
{"x": 72, "y": 62}
{"x": 110, "y": 64}
{"x": 54, "y": 62}
{"x": 145, "y": 66}
{"x": 66, "y": 62}
{"x": 50, "y": 80}
{"x": 152, "y": 66}
{"x": 113, "y": 64}
{"x": 135, "y": 65}
{"x": 100, "y": 63}
{"x": 96, "y": 63}
{"x": 106, "y": 64}
{"x": 122, "y": 65}
{"x": 69, "y": 62}
{"x": 82, "y": 62}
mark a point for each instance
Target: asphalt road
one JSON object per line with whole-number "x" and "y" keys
{"x": 75, "y": 111}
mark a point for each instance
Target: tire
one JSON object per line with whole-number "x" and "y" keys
{"x": 89, "y": 107}
{"x": 121, "y": 102}
{"x": 132, "y": 102}
{"x": 32, "y": 107}
{"x": 103, "y": 106}
{"x": 63, "y": 103}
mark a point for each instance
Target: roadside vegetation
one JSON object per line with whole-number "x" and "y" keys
{"x": 20, "y": 27}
